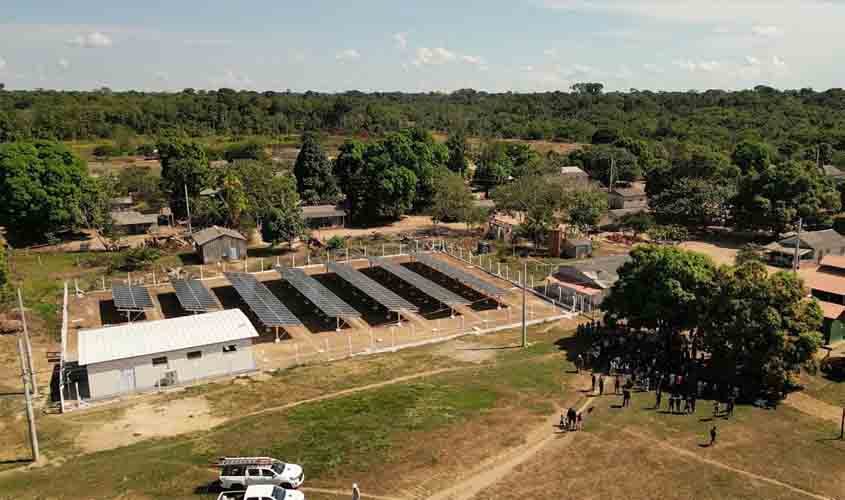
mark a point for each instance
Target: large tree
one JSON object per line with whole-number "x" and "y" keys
{"x": 758, "y": 328}
{"x": 662, "y": 289}
{"x": 282, "y": 220}
{"x": 458, "y": 151}
{"x": 40, "y": 189}
{"x": 585, "y": 207}
{"x": 315, "y": 180}
{"x": 537, "y": 199}
{"x": 598, "y": 160}
{"x": 774, "y": 198}
{"x": 184, "y": 165}
{"x": 452, "y": 199}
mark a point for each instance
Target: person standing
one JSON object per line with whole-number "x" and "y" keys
{"x": 715, "y": 408}
{"x": 713, "y": 436}
{"x": 616, "y": 384}
{"x": 601, "y": 385}
{"x": 626, "y": 397}
{"x": 356, "y": 493}
{"x": 730, "y": 410}
{"x": 579, "y": 363}
{"x": 657, "y": 399}
{"x": 593, "y": 391}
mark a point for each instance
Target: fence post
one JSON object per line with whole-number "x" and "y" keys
{"x": 292, "y": 260}
{"x": 246, "y": 264}
{"x": 382, "y": 249}
{"x": 277, "y": 260}
{"x": 499, "y": 268}
{"x": 261, "y": 260}
{"x": 104, "y": 283}
{"x": 347, "y": 254}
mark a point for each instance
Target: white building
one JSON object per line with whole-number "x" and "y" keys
{"x": 145, "y": 355}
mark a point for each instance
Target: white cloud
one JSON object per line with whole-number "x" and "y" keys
{"x": 2, "y": 64}
{"x": 401, "y": 40}
{"x": 472, "y": 60}
{"x": 527, "y": 69}
{"x": 778, "y": 62}
{"x": 347, "y": 55}
{"x": 95, "y": 40}
{"x": 439, "y": 55}
{"x": 694, "y": 66}
{"x": 64, "y": 64}
{"x": 766, "y": 31}
{"x": 752, "y": 61}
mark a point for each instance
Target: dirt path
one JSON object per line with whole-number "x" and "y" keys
{"x": 721, "y": 465}
{"x": 814, "y": 407}
{"x": 492, "y": 470}
{"x": 348, "y": 493}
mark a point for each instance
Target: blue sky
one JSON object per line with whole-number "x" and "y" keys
{"x": 432, "y": 45}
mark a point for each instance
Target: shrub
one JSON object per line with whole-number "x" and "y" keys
{"x": 834, "y": 368}
{"x": 336, "y": 243}
{"x": 106, "y": 151}
{"x": 135, "y": 259}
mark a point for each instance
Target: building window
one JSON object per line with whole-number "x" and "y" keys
{"x": 195, "y": 355}
{"x": 160, "y": 361}
{"x": 230, "y": 348}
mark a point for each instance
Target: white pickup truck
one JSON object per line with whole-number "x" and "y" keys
{"x": 262, "y": 492}
{"x": 241, "y": 472}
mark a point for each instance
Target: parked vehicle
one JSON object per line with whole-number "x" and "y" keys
{"x": 262, "y": 492}
{"x": 238, "y": 473}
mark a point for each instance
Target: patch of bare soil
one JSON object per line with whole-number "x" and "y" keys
{"x": 467, "y": 352}
{"x": 146, "y": 421}
{"x": 814, "y": 407}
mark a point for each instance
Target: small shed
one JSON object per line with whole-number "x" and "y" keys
{"x": 215, "y": 244}
{"x": 135, "y": 222}
{"x": 324, "y": 216}
{"x": 121, "y": 203}
{"x": 812, "y": 247}
{"x": 834, "y": 174}
{"x": 574, "y": 175}
{"x": 578, "y": 249}
{"x": 146, "y": 355}
{"x": 833, "y": 327}
{"x": 631, "y": 196}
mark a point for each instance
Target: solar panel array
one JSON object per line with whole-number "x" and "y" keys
{"x": 270, "y": 311}
{"x": 374, "y": 290}
{"x": 131, "y": 298}
{"x": 428, "y": 287}
{"x": 464, "y": 277}
{"x": 193, "y": 295}
{"x": 331, "y": 305}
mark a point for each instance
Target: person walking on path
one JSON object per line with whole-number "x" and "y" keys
{"x": 356, "y": 493}
{"x": 616, "y": 384}
{"x": 730, "y": 410}
{"x": 626, "y": 397}
{"x": 657, "y": 397}
{"x": 593, "y": 390}
{"x": 712, "y": 436}
{"x": 601, "y": 385}
{"x": 579, "y": 363}
{"x": 715, "y": 408}
{"x": 579, "y": 422}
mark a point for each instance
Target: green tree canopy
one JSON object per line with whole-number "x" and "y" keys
{"x": 183, "y": 164}
{"x": 315, "y": 180}
{"x": 537, "y": 199}
{"x": 452, "y": 198}
{"x": 585, "y": 207}
{"x": 458, "y": 151}
{"x": 750, "y": 155}
{"x": 282, "y": 221}
{"x": 758, "y": 328}
{"x": 774, "y": 198}
{"x": 40, "y": 188}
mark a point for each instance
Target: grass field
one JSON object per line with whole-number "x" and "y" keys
{"x": 417, "y": 436}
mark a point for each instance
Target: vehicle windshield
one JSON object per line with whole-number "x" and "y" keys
{"x": 278, "y": 468}
{"x": 279, "y": 493}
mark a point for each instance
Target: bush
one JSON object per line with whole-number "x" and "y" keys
{"x": 145, "y": 150}
{"x": 336, "y": 243}
{"x": 135, "y": 259}
{"x": 669, "y": 233}
{"x": 106, "y": 151}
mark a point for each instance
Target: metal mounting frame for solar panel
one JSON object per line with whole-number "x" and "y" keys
{"x": 374, "y": 290}
{"x": 331, "y": 305}
{"x": 426, "y": 286}
{"x": 464, "y": 277}
{"x": 269, "y": 309}
{"x": 193, "y": 295}
{"x": 131, "y": 298}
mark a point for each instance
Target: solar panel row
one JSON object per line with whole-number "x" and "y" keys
{"x": 428, "y": 287}
{"x": 374, "y": 290}
{"x": 464, "y": 277}
{"x": 270, "y": 311}
{"x": 331, "y": 305}
{"x": 193, "y": 295}
{"x": 131, "y": 298}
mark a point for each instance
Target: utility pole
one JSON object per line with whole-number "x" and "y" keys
{"x": 524, "y": 293}
{"x": 33, "y": 386}
{"x": 188, "y": 207}
{"x": 30, "y": 415}
{"x": 610, "y": 184}
{"x": 842, "y": 425}
{"x": 797, "y": 246}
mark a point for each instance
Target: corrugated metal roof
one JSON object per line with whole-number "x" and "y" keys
{"x": 152, "y": 337}
{"x": 636, "y": 189}
{"x": 831, "y": 310}
{"x": 131, "y": 217}
{"x": 818, "y": 279}
{"x": 214, "y": 232}
{"x": 835, "y": 261}
{"x": 573, "y": 170}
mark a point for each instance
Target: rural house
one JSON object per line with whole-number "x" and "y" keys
{"x": 121, "y": 203}
{"x": 574, "y": 175}
{"x": 145, "y": 355}
{"x": 135, "y": 222}
{"x": 631, "y": 196}
{"x": 814, "y": 245}
{"x": 324, "y": 216}
{"x": 215, "y": 244}
{"x": 588, "y": 282}
{"x": 827, "y": 285}
{"x": 577, "y": 249}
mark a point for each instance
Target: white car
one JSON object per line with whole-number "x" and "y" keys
{"x": 262, "y": 492}
{"x": 242, "y": 472}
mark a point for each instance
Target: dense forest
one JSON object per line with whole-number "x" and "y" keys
{"x": 788, "y": 120}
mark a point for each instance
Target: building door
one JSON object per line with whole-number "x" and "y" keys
{"x": 127, "y": 379}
